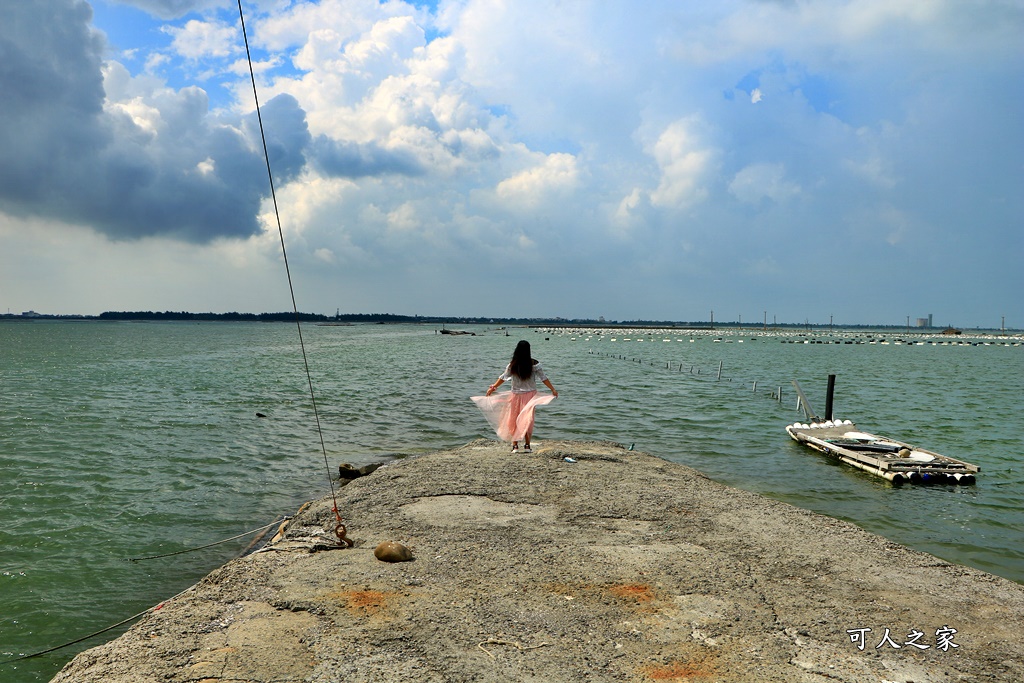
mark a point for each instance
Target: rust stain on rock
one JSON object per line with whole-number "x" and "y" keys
{"x": 369, "y": 601}
{"x": 640, "y": 592}
{"x": 636, "y": 595}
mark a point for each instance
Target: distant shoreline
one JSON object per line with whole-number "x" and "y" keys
{"x": 391, "y": 318}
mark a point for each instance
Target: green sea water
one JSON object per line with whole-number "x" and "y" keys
{"x": 124, "y": 440}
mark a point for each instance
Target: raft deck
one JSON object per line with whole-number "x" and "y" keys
{"x": 894, "y": 460}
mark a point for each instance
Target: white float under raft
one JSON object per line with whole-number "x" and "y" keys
{"x": 894, "y": 460}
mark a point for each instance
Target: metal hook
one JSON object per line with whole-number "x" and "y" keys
{"x": 342, "y": 533}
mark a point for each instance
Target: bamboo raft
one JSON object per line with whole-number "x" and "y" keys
{"x": 894, "y": 460}
{"x": 897, "y": 461}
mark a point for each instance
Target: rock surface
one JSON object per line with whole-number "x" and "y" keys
{"x": 618, "y": 567}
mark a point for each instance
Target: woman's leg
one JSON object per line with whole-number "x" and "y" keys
{"x": 521, "y": 417}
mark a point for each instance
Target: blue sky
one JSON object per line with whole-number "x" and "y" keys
{"x": 854, "y": 160}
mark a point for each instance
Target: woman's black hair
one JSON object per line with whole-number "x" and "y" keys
{"x": 522, "y": 363}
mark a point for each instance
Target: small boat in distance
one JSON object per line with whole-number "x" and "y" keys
{"x": 897, "y": 461}
{"x": 894, "y": 460}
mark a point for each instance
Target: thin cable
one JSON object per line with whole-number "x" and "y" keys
{"x": 305, "y": 361}
{"x": 94, "y": 633}
{"x": 77, "y": 640}
{"x": 146, "y": 611}
{"x": 203, "y": 547}
{"x": 291, "y": 288}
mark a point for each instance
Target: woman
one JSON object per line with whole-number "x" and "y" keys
{"x": 511, "y": 414}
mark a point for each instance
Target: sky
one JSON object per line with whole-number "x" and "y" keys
{"x": 852, "y": 161}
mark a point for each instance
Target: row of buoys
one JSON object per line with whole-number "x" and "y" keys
{"x": 916, "y": 477}
{"x": 785, "y": 337}
{"x": 827, "y": 424}
{"x": 884, "y": 342}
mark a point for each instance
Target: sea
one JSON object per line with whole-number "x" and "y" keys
{"x": 129, "y": 440}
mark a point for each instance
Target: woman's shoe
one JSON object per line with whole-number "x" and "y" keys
{"x": 527, "y": 449}
{"x": 515, "y": 448}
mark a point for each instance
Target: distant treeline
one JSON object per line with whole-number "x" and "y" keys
{"x": 338, "y": 318}
{"x": 383, "y": 318}
{"x": 220, "y": 317}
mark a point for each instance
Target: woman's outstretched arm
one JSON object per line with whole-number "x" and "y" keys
{"x": 490, "y": 389}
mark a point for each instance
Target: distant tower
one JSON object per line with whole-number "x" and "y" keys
{"x": 929, "y": 320}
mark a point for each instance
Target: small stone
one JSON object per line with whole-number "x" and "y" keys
{"x": 390, "y": 551}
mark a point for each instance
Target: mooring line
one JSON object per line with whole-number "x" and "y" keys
{"x": 340, "y": 529}
{"x": 94, "y": 633}
{"x": 208, "y": 545}
{"x": 279, "y": 520}
{"x": 77, "y": 640}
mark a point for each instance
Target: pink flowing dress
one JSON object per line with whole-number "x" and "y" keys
{"x": 510, "y": 414}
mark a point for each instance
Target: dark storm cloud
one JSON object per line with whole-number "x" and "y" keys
{"x": 52, "y": 92}
{"x": 63, "y": 156}
{"x": 352, "y": 160}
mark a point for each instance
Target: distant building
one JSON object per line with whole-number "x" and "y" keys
{"x": 30, "y": 314}
{"x": 925, "y": 322}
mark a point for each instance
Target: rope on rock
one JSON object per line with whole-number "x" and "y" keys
{"x": 339, "y": 530}
{"x": 208, "y": 545}
{"x": 94, "y": 633}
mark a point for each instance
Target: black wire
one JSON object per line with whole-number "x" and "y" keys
{"x": 94, "y": 633}
{"x": 284, "y": 253}
{"x": 302, "y": 346}
{"x": 203, "y": 547}
{"x": 77, "y": 640}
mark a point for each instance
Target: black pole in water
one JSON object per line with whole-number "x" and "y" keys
{"x": 828, "y": 396}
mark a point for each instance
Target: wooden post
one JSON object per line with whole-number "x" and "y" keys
{"x": 828, "y": 396}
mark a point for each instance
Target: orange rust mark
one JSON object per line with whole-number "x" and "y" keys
{"x": 640, "y": 592}
{"x": 673, "y": 672}
{"x": 367, "y": 600}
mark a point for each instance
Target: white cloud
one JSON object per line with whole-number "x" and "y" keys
{"x": 201, "y": 39}
{"x": 626, "y": 212}
{"x": 763, "y": 181}
{"x": 556, "y": 174}
{"x": 325, "y": 255}
{"x": 605, "y": 139}
{"x": 684, "y": 163}
{"x": 876, "y": 169}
